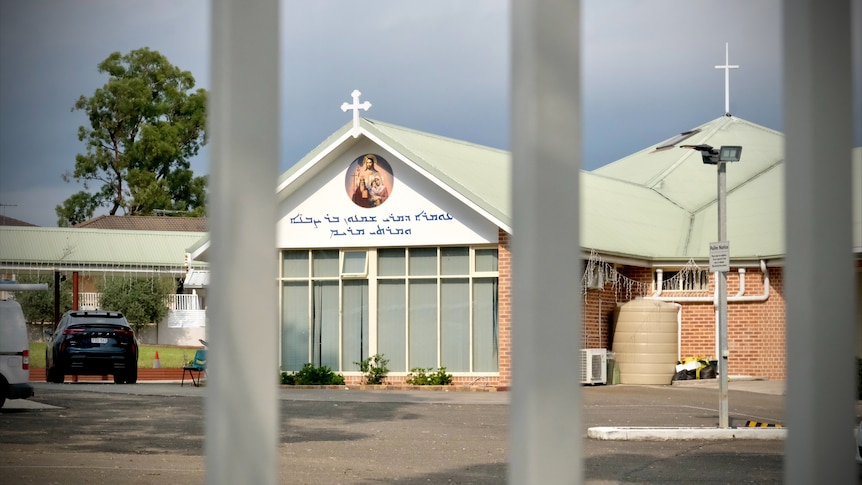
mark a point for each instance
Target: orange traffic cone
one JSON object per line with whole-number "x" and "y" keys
{"x": 156, "y": 363}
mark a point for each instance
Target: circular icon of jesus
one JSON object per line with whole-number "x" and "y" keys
{"x": 369, "y": 180}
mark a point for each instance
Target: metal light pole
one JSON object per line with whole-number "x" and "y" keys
{"x": 719, "y": 262}
{"x": 721, "y": 282}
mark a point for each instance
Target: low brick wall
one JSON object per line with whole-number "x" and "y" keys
{"x": 163, "y": 374}
{"x": 406, "y": 387}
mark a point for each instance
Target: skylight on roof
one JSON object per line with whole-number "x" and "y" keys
{"x": 676, "y": 140}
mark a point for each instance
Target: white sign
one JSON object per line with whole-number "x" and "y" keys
{"x": 719, "y": 256}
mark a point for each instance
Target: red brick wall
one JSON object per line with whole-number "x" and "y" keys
{"x": 756, "y": 330}
{"x": 504, "y": 310}
{"x": 600, "y": 306}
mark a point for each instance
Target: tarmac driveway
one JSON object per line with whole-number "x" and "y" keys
{"x": 154, "y": 434}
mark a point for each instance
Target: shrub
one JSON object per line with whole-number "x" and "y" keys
{"x": 310, "y": 375}
{"x": 141, "y": 300}
{"x": 424, "y": 377}
{"x": 374, "y": 368}
{"x": 38, "y": 306}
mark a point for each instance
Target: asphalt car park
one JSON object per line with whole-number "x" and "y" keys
{"x": 154, "y": 433}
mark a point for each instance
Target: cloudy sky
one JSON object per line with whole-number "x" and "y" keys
{"x": 441, "y": 67}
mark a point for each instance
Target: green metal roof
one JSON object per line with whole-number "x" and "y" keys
{"x": 480, "y": 174}
{"x": 755, "y": 196}
{"x": 657, "y": 205}
{"x": 72, "y": 247}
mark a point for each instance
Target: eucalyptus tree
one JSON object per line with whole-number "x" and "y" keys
{"x": 144, "y": 126}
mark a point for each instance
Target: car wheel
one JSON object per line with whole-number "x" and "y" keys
{"x": 132, "y": 376}
{"x": 4, "y": 389}
{"x": 118, "y": 378}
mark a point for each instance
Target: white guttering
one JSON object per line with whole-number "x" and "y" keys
{"x": 95, "y": 268}
{"x": 739, "y": 297}
{"x": 24, "y": 287}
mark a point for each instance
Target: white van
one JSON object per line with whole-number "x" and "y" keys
{"x": 14, "y": 353}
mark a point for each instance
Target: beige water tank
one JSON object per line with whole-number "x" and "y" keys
{"x": 646, "y": 342}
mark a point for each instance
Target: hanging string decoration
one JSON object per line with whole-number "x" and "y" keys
{"x": 691, "y": 279}
{"x": 599, "y": 274}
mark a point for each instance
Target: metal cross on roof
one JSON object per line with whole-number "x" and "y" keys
{"x": 727, "y": 67}
{"x": 356, "y": 106}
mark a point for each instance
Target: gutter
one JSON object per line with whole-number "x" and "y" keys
{"x": 739, "y": 297}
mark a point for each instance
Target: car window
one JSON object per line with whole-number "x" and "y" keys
{"x": 97, "y": 319}
{"x": 63, "y": 322}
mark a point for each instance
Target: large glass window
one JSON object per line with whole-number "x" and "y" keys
{"x": 354, "y": 263}
{"x": 454, "y": 261}
{"x": 391, "y": 262}
{"x": 485, "y": 325}
{"x": 313, "y": 299}
{"x": 295, "y": 263}
{"x": 455, "y": 324}
{"x": 324, "y": 328}
{"x": 294, "y": 325}
{"x": 325, "y": 263}
{"x": 423, "y": 261}
{"x": 432, "y": 308}
{"x": 392, "y": 322}
{"x": 354, "y": 339}
{"x": 451, "y": 308}
{"x": 486, "y": 260}
{"x": 422, "y": 323}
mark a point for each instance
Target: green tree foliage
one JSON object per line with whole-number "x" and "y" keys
{"x": 38, "y": 306}
{"x": 145, "y": 124}
{"x": 141, "y": 300}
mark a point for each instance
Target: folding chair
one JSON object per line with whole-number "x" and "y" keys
{"x": 198, "y": 365}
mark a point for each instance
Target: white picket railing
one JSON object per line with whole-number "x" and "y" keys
{"x": 184, "y": 302}
{"x": 90, "y": 300}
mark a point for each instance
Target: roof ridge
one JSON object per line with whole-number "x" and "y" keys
{"x": 434, "y": 135}
{"x": 702, "y": 134}
{"x": 735, "y": 188}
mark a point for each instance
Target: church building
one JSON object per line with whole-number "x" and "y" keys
{"x": 396, "y": 242}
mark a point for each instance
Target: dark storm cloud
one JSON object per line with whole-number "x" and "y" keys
{"x": 442, "y": 67}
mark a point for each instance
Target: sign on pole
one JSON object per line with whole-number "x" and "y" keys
{"x": 719, "y": 256}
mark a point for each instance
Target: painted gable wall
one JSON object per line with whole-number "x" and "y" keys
{"x": 417, "y": 212}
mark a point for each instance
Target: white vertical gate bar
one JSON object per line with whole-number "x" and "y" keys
{"x": 545, "y": 438}
{"x": 819, "y": 280}
{"x": 241, "y": 407}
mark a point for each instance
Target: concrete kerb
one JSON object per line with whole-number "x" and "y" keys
{"x": 742, "y": 383}
{"x": 611, "y": 433}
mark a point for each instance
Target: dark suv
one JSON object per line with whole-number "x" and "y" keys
{"x": 92, "y": 343}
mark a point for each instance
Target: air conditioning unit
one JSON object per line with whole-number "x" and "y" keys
{"x": 594, "y": 366}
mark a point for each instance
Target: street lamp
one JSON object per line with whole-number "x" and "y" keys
{"x": 719, "y": 260}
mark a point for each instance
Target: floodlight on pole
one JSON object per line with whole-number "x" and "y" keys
{"x": 720, "y": 158}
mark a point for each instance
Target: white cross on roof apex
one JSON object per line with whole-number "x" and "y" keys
{"x": 727, "y": 67}
{"x": 356, "y": 106}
